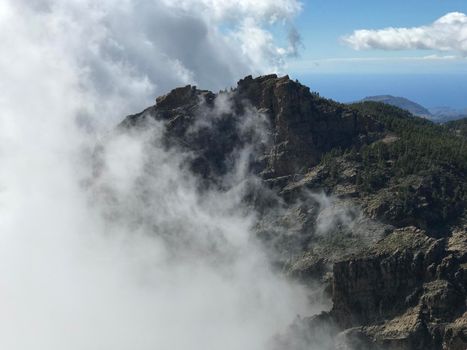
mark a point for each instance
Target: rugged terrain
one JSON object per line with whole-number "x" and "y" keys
{"x": 365, "y": 201}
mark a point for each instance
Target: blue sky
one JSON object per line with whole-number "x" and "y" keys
{"x": 429, "y": 75}
{"x": 323, "y": 23}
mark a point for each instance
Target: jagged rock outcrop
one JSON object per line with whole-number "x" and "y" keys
{"x": 301, "y": 126}
{"x": 376, "y": 284}
{"x": 407, "y": 292}
{"x": 304, "y": 126}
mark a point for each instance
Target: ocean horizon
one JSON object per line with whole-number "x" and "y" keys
{"x": 429, "y": 90}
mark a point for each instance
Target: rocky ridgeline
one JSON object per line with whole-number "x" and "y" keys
{"x": 302, "y": 126}
{"x": 396, "y": 280}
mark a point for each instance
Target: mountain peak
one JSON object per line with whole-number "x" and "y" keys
{"x": 304, "y": 125}
{"x": 182, "y": 96}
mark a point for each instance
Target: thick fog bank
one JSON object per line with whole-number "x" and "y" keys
{"x": 131, "y": 255}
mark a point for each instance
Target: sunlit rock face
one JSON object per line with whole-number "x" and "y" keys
{"x": 408, "y": 291}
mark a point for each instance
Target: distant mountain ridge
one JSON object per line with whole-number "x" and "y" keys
{"x": 403, "y": 103}
{"x": 435, "y": 114}
{"x": 446, "y": 114}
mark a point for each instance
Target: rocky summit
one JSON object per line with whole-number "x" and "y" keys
{"x": 365, "y": 203}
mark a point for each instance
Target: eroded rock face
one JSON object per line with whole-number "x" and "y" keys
{"x": 304, "y": 126}
{"x": 407, "y": 292}
{"x": 368, "y": 288}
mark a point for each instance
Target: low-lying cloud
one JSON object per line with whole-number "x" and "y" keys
{"x": 448, "y": 33}
{"x": 130, "y": 255}
{"x": 114, "y": 245}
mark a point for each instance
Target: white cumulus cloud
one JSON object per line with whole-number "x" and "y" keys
{"x": 448, "y": 33}
{"x": 132, "y": 51}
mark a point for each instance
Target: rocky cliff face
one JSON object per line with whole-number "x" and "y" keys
{"x": 408, "y": 291}
{"x": 301, "y": 126}
{"x": 390, "y": 288}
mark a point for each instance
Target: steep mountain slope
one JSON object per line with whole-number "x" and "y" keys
{"x": 414, "y": 175}
{"x": 364, "y": 200}
{"x": 401, "y": 102}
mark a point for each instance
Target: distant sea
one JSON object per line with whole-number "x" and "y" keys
{"x": 429, "y": 90}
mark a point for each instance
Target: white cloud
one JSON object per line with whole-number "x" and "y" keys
{"x": 72, "y": 278}
{"x": 136, "y": 50}
{"x": 448, "y": 33}
{"x": 219, "y": 10}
